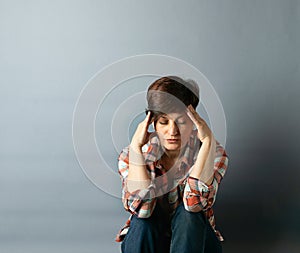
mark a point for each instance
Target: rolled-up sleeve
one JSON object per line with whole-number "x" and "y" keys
{"x": 199, "y": 196}
{"x": 140, "y": 202}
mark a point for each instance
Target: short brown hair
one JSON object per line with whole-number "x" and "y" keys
{"x": 171, "y": 93}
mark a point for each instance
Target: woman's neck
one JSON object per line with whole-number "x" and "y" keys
{"x": 168, "y": 159}
{"x": 171, "y": 154}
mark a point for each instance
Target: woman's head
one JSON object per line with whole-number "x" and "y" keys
{"x": 172, "y": 94}
{"x": 167, "y": 100}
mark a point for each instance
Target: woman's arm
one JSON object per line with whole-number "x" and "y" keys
{"x": 203, "y": 168}
{"x": 138, "y": 194}
{"x": 199, "y": 195}
{"x": 204, "y": 164}
{"x": 138, "y": 177}
{"x": 208, "y": 170}
{"x": 139, "y": 202}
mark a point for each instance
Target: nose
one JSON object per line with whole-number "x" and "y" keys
{"x": 173, "y": 129}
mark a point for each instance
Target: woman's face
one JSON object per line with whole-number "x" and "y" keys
{"x": 174, "y": 130}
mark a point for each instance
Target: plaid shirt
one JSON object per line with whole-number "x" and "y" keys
{"x": 179, "y": 187}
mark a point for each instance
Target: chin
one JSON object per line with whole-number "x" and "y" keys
{"x": 172, "y": 146}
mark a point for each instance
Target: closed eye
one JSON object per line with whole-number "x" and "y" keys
{"x": 163, "y": 122}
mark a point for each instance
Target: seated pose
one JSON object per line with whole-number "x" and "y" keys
{"x": 170, "y": 177}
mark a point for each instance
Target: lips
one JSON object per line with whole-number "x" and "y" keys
{"x": 173, "y": 140}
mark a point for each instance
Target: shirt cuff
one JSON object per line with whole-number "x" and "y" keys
{"x": 140, "y": 202}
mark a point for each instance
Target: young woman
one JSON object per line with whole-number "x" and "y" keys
{"x": 170, "y": 177}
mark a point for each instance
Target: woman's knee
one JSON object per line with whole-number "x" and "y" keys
{"x": 143, "y": 225}
{"x": 143, "y": 236}
{"x": 189, "y": 231}
{"x": 184, "y": 219}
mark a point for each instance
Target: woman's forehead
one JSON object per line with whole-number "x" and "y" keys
{"x": 174, "y": 115}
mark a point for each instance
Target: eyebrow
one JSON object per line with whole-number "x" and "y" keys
{"x": 165, "y": 117}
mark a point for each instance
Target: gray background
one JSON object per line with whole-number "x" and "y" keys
{"x": 50, "y": 49}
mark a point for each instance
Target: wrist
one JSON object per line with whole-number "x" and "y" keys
{"x": 205, "y": 146}
{"x": 206, "y": 140}
{"x": 135, "y": 147}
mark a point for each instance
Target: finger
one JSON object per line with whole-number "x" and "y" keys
{"x": 196, "y": 122}
{"x": 148, "y": 116}
{"x": 194, "y": 113}
{"x": 191, "y": 116}
{"x": 146, "y": 121}
{"x": 194, "y": 116}
{"x": 198, "y": 119}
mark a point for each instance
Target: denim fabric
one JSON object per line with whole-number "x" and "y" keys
{"x": 187, "y": 232}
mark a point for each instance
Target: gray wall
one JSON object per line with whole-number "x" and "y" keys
{"x": 249, "y": 50}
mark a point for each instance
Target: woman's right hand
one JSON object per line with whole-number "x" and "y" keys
{"x": 141, "y": 135}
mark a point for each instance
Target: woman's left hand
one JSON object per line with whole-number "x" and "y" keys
{"x": 204, "y": 132}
